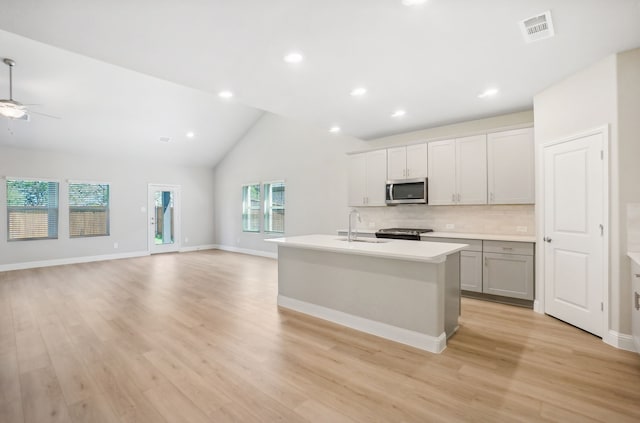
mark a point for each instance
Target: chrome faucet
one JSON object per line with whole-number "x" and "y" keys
{"x": 351, "y": 237}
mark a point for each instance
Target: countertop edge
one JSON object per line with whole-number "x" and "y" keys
{"x": 440, "y": 258}
{"x": 634, "y": 256}
{"x": 460, "y": 235}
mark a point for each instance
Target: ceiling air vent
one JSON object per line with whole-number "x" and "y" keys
{"x": 537, "y": 27}
{"x": 165, "y": 139}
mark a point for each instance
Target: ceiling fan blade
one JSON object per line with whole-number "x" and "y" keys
{"x": 44, "y": 114}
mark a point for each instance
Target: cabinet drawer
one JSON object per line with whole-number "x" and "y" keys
{"x": 474, "y": 244}
{"x": 508, "y": 247}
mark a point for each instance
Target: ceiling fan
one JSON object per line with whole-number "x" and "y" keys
{"x": 11, "y": 108}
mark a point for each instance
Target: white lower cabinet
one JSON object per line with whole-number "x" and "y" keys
{"x": 471, "y": 271}
{"x": 503, "y": 268}
{"x": 508, "y": 269}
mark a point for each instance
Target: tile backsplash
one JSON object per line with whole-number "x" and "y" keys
{"x": 485, "y": 219}
{"x": 633, "y": 227}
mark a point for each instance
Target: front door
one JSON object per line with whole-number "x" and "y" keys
{"x": 574, "y": 203}
{"x": 164, "y": 218}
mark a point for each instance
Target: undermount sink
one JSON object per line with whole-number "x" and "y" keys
{"x": 369, "y": 240}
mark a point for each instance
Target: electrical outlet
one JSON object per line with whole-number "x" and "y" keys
{"x": 186, "y": 240}
{"x": 521, "y": 229}
{"x": 372, "y": 224}
{"x": 115, "y": 245}
{"x": 143, "y": 209}
{"x": 449, "y": 226}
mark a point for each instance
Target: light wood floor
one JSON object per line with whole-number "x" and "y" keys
{"x": 197, "y": 337}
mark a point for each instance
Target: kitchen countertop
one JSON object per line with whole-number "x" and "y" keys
{"x": 487, "y": 237}
{"x": 387, "y": 248}
{"x": 634, "y": 256}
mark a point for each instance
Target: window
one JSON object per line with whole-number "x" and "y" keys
{"x": 32, "y": 210}
{"x": 251, "y": 208}
{"x": 274, "y": 207}
{"x": 88, "y": 209}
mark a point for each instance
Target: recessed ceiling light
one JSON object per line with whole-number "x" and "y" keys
{"x": 334, "y": 129}
{"x": 489, "y": 92}
{"x": 413, "y": 2}
{"x": 190, "y": 134}
{"x": 398, "y": 113}
{"x": 225, "y": 94}
{"x": 293, "y": 57}
{"x": 356, "y": 92}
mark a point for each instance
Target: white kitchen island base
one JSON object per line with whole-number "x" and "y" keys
{"x": 412, "y": 301}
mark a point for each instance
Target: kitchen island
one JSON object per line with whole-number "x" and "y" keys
{"x": 405, "y": 291}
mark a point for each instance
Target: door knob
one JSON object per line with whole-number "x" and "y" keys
{"x": 546, "y": 239}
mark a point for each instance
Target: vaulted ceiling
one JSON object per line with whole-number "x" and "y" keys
{"x": 121, "y": 74}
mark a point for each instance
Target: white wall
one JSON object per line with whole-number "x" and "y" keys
{"x": 313, "y": 164}
{"x": 586, "y": 100}
{"x": 128, "y": 181}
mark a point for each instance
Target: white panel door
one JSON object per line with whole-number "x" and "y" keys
{"x": 376, "y": 177}
{"x": 574, "y": 245}
{"x": 357, "y": 179}
{"x": 442, "y": 172}
{"x": 164, "y": 218}
{"x": 471, "y": 169}
{"x": 397, "y": 163}
{"x": 417, "y": 161}
{"x": 510, "y": 163}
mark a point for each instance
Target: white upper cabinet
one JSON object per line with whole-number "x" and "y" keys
{"x": 458, "y": 171}
{"x": 471, "y": 169}
{"x": 442, "y": 172}
{"x": 367, "y": 178}
{"x": 511, "y": 167}
{"x": 407, "y": 162}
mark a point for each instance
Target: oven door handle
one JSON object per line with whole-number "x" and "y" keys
{"x": 391, "y": 192}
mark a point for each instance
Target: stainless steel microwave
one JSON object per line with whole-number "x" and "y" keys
{"x": 407, "y": 191}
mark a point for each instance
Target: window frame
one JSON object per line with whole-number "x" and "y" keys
{"x": 247, "y": 209}
{"x": 8, "y": 179}
{"x": 108, "y": 207}
{"x": 267, "y": 214}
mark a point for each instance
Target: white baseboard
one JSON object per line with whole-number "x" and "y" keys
{"x": 538, "y": 307}
{"x": 198, "y": 248}
{"x": 404, "y": 336}
{"x": 247, "y": 251}
{"x": 72, "y": 260}
{"x": 619, "y": 340}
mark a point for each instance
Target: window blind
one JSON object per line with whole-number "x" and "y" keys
{"x": 32, "y": 210}
{"x": 274, "y": 207}
{"x": 88, "y": 210}
{"x": 251, "y": 208}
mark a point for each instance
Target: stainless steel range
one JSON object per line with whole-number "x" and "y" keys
{"x": 402, "y": 233}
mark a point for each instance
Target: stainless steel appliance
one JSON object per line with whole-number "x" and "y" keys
{"x": 407, "y": 191}
{"x": 402, "y": 233}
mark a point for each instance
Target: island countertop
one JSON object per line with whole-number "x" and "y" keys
{"x": 431, "y": 252}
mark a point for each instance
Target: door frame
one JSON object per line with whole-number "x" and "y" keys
{"x": 539, "y": 302}
{"x": 177, "y": 217}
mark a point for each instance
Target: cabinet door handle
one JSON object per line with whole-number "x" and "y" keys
{"x": 453, "y": 198}
{"x": 637, "y": 275}
{"x": 458, "y": 198}
{"x": 491, "y": 197}
{"x": 636, "y": 300}
{"x": 486, "y": 261}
